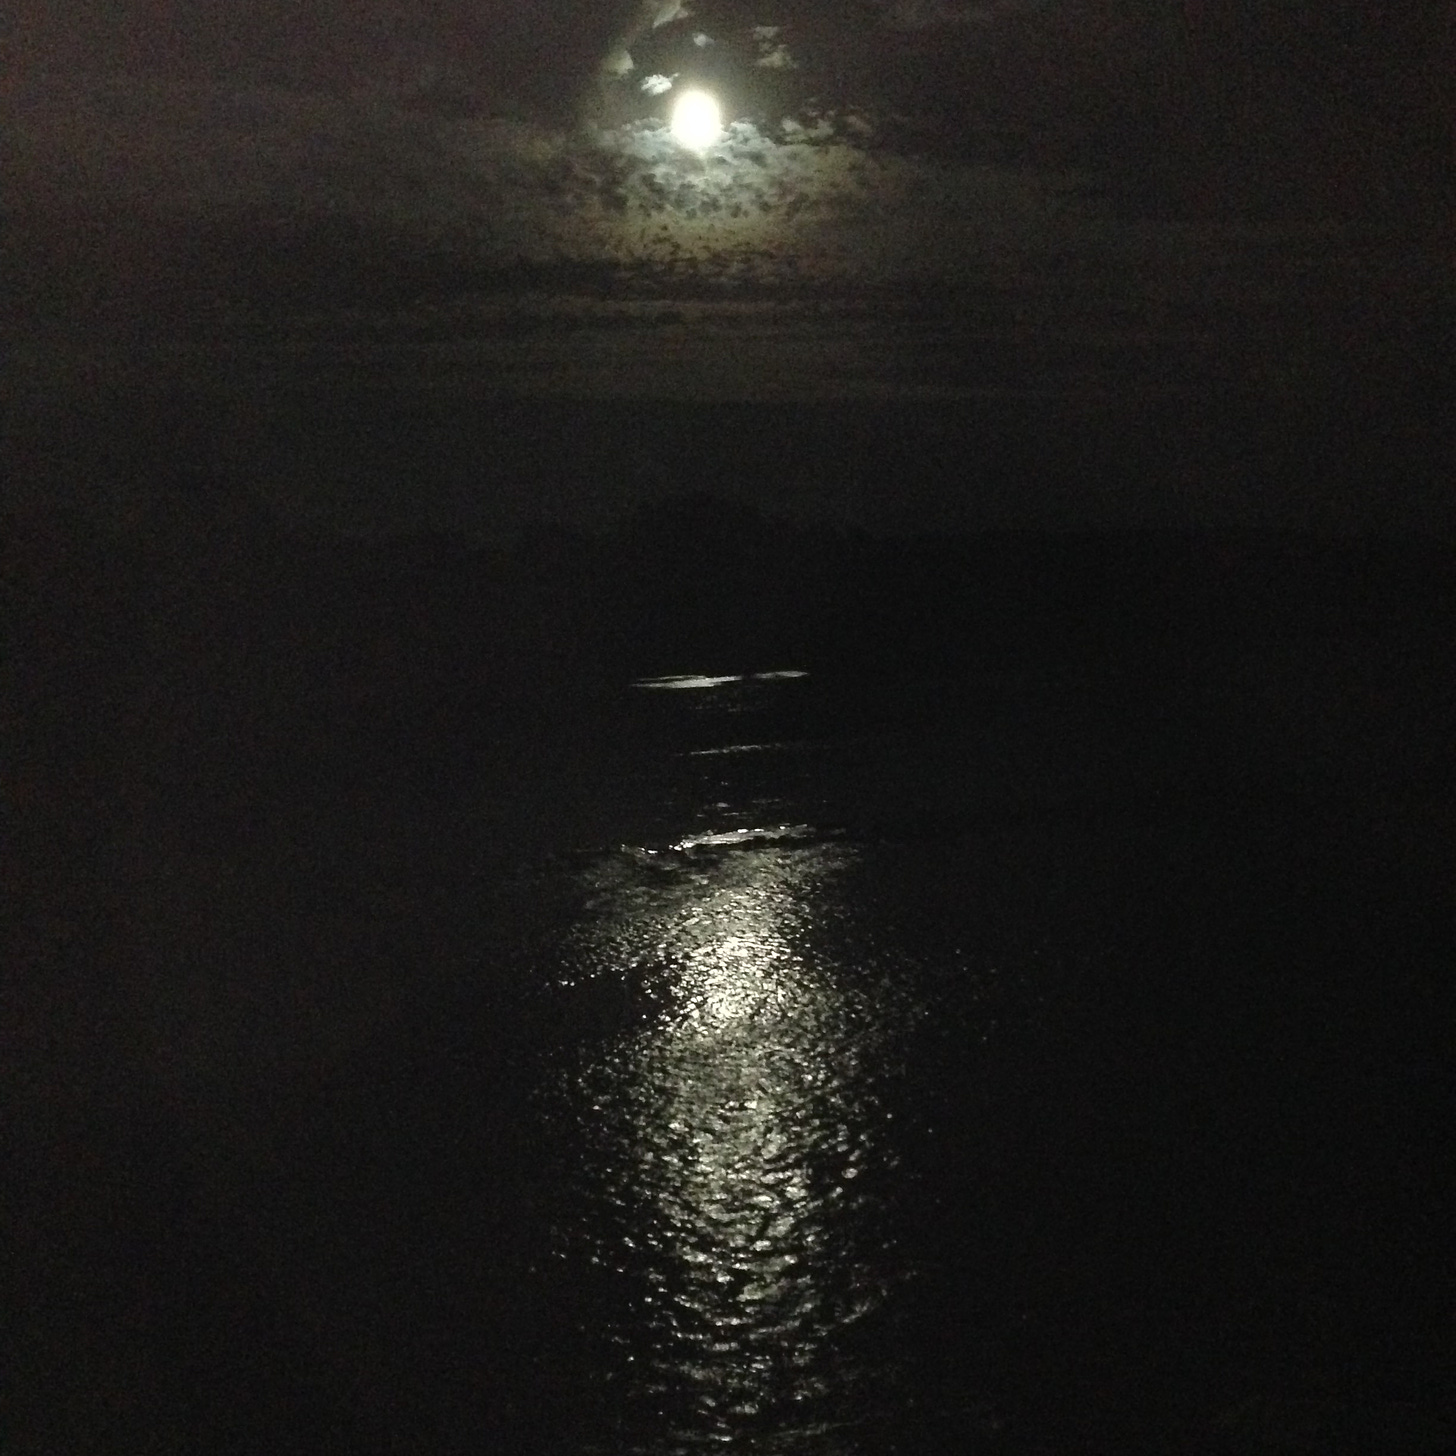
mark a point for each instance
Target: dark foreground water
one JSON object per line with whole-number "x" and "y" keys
{"x": 1016, "y": 1073}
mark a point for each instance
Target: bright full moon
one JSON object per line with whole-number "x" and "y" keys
{"x": 696, "y": 120}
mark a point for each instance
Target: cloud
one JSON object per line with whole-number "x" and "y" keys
{"x": 668, "y": 11}
{"x": 804, "y": 201}
{"x": 657, "y": 85}
{"x": 773, "y": 54}
{"x": 930, "y": 14}
{"x": 642, "y": 18}
{"x": 817, "y": 129}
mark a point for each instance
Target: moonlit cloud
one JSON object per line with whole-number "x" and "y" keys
{"x": 646, "y": 17}
{"x": 776, "y": 59}
{"x": 803, "y": 200}
{"x": 773, "y": 53}
{"x": 814, "y": 129}
{"x": 928, "y": 14}
{"x": 668, "y": 11}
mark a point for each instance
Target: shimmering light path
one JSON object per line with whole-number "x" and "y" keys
{"x": 734, "y": 1177}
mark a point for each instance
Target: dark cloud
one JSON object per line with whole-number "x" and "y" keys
{"x": 928, "y": 14}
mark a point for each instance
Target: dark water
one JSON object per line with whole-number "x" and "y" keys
{"x": 895, "y": 1087}
{"x": 813, "y": 1129}
{"x": 731, "y": 1131}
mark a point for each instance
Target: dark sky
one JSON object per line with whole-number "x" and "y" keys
{"x": 1081, "y": 204}
{"x": 1309, "y": 106}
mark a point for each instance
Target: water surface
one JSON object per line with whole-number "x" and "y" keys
{"x": 911, "y": 1072}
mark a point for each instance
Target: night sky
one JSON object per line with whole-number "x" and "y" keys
{"x": 1057, "y": 210}
{"x": 958, "y": 567}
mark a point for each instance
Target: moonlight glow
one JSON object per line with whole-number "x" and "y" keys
{"x": 697, "y": 121}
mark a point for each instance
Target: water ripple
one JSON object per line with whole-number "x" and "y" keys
{"x": 732, "y": 1137}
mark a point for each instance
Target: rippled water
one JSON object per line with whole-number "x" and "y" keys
{"x": 990, "y": 1127}
{"x": 755, "y": 1025}
{"x": 893, "y": 1088}
{"x": 735, "y": 1140}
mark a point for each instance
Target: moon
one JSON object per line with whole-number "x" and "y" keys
{"x": 697, "y": 120}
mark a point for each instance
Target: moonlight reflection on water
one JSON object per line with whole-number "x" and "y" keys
{"x": 733, "y": 1181}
